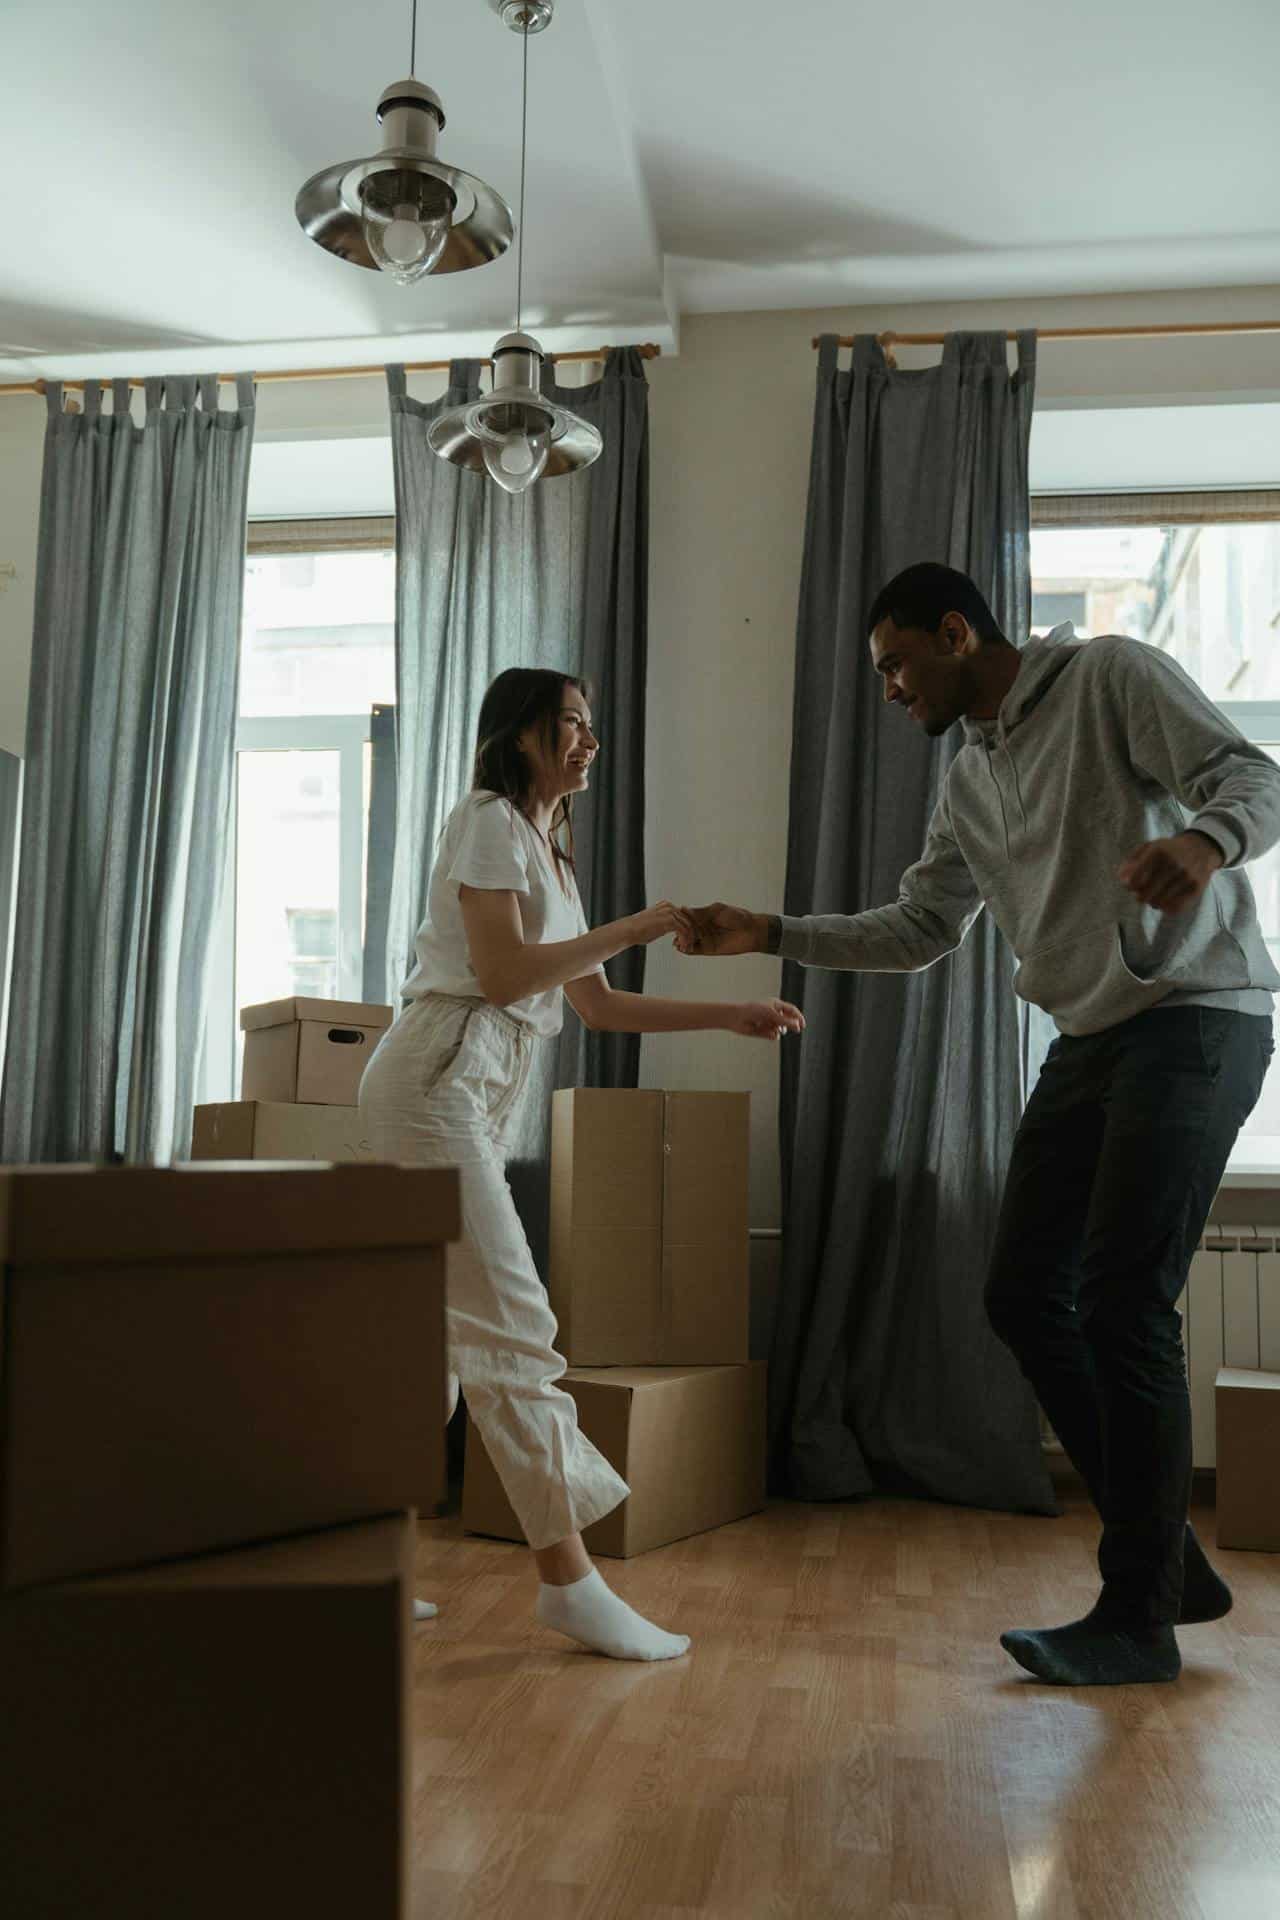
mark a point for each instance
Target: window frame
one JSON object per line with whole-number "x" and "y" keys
{"x": 1257, "y": 720}
{"x": 349, "y": 734}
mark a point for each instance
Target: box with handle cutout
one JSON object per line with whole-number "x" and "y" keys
{"x": 310, "y": 1052}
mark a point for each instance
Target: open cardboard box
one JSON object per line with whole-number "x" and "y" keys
{"x": 212, "y": 1737}
{"x": 205, "y": 1356}
{"x": 688, "y": 1441}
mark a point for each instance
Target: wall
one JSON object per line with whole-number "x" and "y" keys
{"x": 731, "y": 419}
{"x": 21, "y": 445}
{"x": 730, "y": 446}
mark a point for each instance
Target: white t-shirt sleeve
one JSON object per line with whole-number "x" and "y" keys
{"x": 490, "y": 852}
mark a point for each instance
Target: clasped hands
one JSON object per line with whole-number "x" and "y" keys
{"x": 718, "y": 931}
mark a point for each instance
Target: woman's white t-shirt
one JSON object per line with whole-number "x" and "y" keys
{"x": 488, "y": 843}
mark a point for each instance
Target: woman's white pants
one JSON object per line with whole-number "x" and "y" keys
{"x": 441, "y": 1090}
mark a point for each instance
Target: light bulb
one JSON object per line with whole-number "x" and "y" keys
{"x": 517, "y": 459}
{"x": 406, "y": 218}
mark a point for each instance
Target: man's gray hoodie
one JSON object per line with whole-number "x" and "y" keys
{"x": 1098, "y": 746}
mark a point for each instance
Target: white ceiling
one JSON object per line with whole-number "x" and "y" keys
{"x": 685, "y": 155}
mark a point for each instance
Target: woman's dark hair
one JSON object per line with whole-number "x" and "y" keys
{"x": 922, "y": 596}
{"x": 520, "y": 700}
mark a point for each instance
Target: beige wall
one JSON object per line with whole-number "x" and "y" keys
{"x": 731, "y": 418}
{"x": 21, "y": 443}
{"x": 730, "y": 444}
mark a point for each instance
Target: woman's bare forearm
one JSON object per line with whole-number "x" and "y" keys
{"x": 644, "y": 1013}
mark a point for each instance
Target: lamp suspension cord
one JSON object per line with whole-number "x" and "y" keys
{"x": 413, "y": 43}
{"x": 524, "y": 127}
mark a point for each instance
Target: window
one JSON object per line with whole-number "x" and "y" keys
{"x": 317, "y": 653}
{"x": 1199, "y": 576}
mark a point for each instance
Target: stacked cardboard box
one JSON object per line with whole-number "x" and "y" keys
{"x": 222, "y": 1392}
{"x": 649, "y": 1283}
{"x": 303, "y": 1060}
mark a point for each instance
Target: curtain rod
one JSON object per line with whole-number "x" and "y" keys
{"x": 647, "y": 351}
{"x": 1175, "y": 331}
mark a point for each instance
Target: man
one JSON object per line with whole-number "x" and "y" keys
{"x": 1102, "y": 808}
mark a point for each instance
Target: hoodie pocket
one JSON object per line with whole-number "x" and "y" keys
{"x": 1085, "y": 981}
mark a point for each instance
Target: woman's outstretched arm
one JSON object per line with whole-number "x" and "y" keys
{"x": 599, "y": 1007}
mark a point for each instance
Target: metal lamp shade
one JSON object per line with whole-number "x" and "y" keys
{"x": 514, "y": 403}
{"x": 329, "y": 211}
{"x": 330, "y": 206}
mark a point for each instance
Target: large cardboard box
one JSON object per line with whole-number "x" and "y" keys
{"x": 688, "y": 1441}
{"x": 649, "y": 1227}
{"x": 205, "y": 1356}
{"x": 1248, "y": 1409}
{"x": 213, "y": 1737}
{"x": 311, "y": 1051}
{"x": 274, "y": 1130}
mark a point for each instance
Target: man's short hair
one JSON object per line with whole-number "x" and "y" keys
{"x": 922, "y": 595}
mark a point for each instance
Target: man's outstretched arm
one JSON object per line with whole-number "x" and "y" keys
{"x": 936, "y": 906}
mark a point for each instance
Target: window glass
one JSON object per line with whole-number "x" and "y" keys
{"x": 318, "y": 634}
{"x": 1207, "y": 595}
{"x": 287, "y": 877}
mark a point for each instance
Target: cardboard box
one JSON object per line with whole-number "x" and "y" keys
{"x": 688, "y": 1441}
{"x": 271, "y": 1130}
{"x": 201, "y": 1357}
{"x": 649, "y": 1227}
{"x": 214, "y": 1737}
{"x": 1248, "y": 1410}
{"x": 311, "y": 1051}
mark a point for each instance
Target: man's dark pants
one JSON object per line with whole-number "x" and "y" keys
{"x": 1114, "y": 1169}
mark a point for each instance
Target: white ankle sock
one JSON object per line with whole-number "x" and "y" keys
{"x": 589, "y": 1611}
{"x": 425, "y": 1609}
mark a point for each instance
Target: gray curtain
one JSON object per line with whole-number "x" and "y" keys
{"x": 380, "y": 849}
{"x": 10, "y": 816}
{"x": 130, "y": 743}
{"x": 898, "y": 1112}
{"x": 556, "y": 577}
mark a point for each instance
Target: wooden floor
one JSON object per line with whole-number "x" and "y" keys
{"x": 846, "y": 1738}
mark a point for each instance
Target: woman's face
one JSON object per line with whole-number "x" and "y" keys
{"x": 566, "y": 768}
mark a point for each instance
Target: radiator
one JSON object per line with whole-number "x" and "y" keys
{"x": 1230, "y": 1318}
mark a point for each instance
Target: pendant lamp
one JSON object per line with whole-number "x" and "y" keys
{"x": 402, "y": 211}
{"x": 514, "y": 432}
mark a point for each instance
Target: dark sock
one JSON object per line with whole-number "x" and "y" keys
{"x": 1096, "y": 1653}
{"x": 1205, "y": 1595}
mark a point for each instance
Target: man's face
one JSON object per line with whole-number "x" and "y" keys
{"x": 929, "y": 675}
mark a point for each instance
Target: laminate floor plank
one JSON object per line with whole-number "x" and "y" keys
{"x": 847, "y": 1740}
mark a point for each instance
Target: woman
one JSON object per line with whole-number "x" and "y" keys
{"x": 503, "y": 943}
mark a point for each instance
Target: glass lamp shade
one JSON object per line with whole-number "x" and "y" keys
{"x": 406, "y": 218}
{"x": 516, "y": 459}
